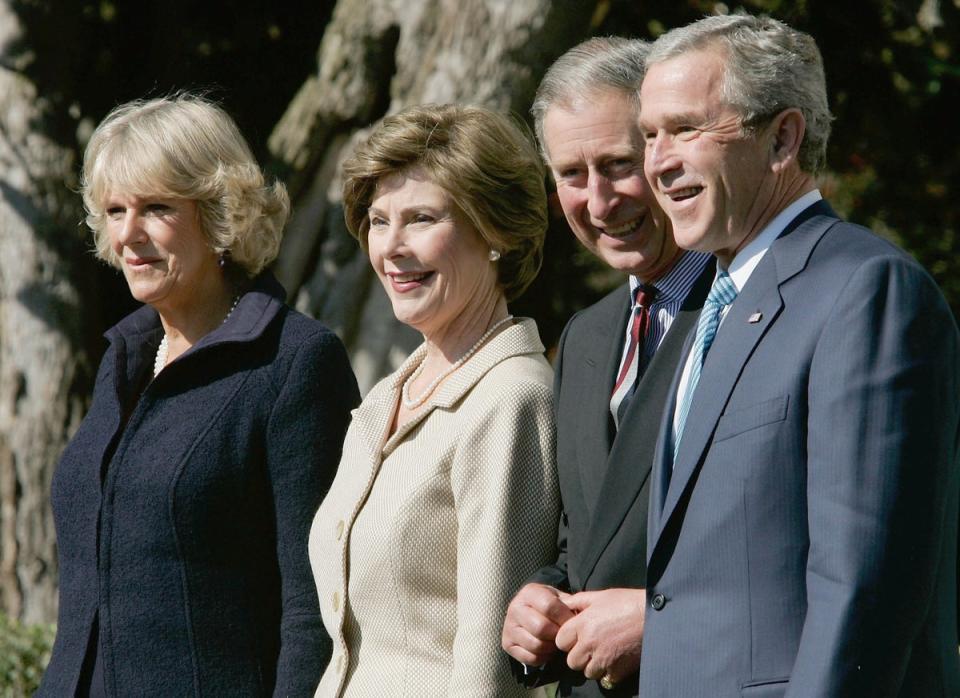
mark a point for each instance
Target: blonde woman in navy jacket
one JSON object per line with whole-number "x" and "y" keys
{"x": 183, "y": 502}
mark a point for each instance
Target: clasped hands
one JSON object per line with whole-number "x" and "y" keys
{"x": 601, "y": 631}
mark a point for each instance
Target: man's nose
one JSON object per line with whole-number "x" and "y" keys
{"x": 602, "y": 197}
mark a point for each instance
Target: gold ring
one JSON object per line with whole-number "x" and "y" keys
{"x": 606, "y": 683}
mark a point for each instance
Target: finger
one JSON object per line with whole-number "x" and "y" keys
{"x": 544, "y": 600}
{"x": 527, "y": 657}
{"x": 593, "y": 670}
{"x": 519, "y": 637}
{"x": 578, "y": 658}
{"x": 556, "y": 610}
{"x": 579, "y": 602}
{"x": 622, "y": 667}
{"x": 531, "y": 621}
{"x": 567, "y": 635}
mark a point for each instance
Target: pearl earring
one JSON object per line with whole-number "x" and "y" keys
{"x": 494, "y": 256}
{"x": 224, "y": 259}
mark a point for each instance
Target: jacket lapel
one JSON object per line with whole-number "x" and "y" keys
{"x": 731, "y": 349}
{"x": 602, "y": 347}
{"x": 627, "y": 470}
{"x": 734, "y": 344}
{"x": 518, "y": 339}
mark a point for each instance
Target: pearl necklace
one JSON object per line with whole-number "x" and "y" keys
{"x": 412, "y": 404}
{"x": 161, "y": 359}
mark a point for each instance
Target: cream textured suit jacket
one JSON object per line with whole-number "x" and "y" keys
{"x": 425, "y": 534}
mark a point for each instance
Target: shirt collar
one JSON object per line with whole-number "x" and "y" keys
{"x": 749, "y": 257}
{"x": 677, "y": 282}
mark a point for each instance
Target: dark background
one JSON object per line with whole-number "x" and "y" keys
{"x": 893, "y": 76}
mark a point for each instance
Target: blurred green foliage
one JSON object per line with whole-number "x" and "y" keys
{"x": 24, "y": 652}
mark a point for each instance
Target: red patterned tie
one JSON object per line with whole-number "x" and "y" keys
{"x": 638, "y": 332}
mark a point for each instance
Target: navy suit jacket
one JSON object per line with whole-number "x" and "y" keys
{"x": 804, "y": 542}
{"x": 604, "y": 473}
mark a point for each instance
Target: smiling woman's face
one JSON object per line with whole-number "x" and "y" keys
{"x": 164, "y": 254}
{"x": 429, "y": 258}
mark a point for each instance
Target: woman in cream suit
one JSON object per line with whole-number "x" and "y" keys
{"x": 446, "y": 497}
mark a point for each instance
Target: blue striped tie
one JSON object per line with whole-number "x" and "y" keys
{"x": 722, "y": 294}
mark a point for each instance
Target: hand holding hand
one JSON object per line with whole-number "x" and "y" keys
{"x": 606, "y": 635}
{"x": 533, "y": 618}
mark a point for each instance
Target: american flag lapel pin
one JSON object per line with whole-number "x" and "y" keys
{"x": 755, "y": 318}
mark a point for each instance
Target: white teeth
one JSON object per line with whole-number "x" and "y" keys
{"x": 410, "y": 276}
{"x": 685, "y": 193}
{"x": 623, "y": 229}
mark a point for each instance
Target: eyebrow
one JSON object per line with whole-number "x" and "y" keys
{"x": 617, "y": 153}
{"x": 437, "y": 210}
{"x": 674, "y": 118}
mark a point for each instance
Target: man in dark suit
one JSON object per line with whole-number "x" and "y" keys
{"x": 614, "y": 366}
{"x": 803, "y": 520}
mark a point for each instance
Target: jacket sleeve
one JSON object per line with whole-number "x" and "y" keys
{"x": 882, "y": 488}
{"x": 503, "y": 481}
{"x": 304, "y": 439}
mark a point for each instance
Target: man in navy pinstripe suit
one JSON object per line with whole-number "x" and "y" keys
{"x": 802, "y": 535}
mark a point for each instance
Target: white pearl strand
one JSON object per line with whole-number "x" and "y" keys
{"x": 161, "y": 360}
{"x": 405, "y": 390}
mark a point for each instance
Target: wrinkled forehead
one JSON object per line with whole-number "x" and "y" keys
{"x": 604, "y": 122}
{"x": 691, "y": 76}
{"x": 685, "y": 88}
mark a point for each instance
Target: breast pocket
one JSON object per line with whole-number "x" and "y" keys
{"x": 750, "y": 418}
{"x": 765, "y": 689}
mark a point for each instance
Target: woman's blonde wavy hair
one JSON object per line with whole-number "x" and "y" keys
{"x": 186, "y": 147}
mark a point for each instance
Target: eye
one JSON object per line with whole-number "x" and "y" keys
{"x": 422, "y": 218}
{"x": 115, "y": 211}
{"x": 569, "y": 175}
{"x": 619, "y": 166}
{"x": 377, "y": 221}
{"x": 158, "y": 209}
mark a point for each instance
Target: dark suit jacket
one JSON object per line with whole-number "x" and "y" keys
{"x": 193, "y": 550}
{"x": 603, "y": 473}
{"x": 804, "y": 542}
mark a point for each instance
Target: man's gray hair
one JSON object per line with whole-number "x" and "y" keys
{"x": 769, "y": 67}
{"x": 596, "y": 65}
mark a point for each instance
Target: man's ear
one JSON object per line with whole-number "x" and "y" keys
{"x": 787, "y": 130}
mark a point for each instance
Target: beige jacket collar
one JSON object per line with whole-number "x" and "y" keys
{"x": 373, "y": 417}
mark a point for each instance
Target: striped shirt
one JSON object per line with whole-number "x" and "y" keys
{"x": 672, "y": 290}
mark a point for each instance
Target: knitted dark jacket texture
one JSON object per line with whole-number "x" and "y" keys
{"x": 182, "y": 516}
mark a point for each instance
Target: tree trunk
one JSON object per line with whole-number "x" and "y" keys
{"x": 44, "y": 376}
{"x": 378, "y": 56}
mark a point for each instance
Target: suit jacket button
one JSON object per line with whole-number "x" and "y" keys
{"x": 658, "y": 601}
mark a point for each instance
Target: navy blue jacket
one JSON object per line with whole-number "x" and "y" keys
{"x": 182, "y": 516}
